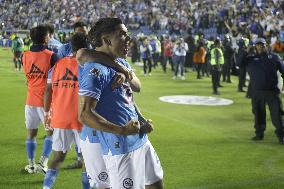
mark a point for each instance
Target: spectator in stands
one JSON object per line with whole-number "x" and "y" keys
{"x": 278, "y": 46}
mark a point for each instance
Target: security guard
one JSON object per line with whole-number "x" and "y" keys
{"x": 217, "y": 61}
{"x": 262, "y": 69}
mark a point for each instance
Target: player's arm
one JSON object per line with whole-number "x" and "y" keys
{"x": 89, "y": 55}
{"x": 94, "y": 120}
{"x": 46, "y": 105}
{"x": 135, "y": 83}
{"x": 146, "y": 125}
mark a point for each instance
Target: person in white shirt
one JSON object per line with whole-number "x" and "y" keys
{"x": 180, "y": 49}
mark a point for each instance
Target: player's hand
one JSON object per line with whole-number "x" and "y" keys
{"x": 47, "y": 121}
{"x": 131, "y": 128}
{"x": 119, "y": 78}
{"x": 127, "y": 72}
{"x": 146, "y": 127}
{"x": 80, "y": 55}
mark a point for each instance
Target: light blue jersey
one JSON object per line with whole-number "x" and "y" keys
{"x": 54, "y": 45}
{"x": 65, "y": 50}
{"x": 115, "y": 106}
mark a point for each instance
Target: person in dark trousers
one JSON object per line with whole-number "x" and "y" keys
{"x": 228, "y": 57}
{"x": 145, "y": 49}
{"x": 242, "y": 53}
{"x": 262, "y": 69}
{"x": 217, "y": 61}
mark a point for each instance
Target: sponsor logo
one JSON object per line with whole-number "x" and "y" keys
{"x": 127, "y": 183}
{"x": 35, "y": 72}
{"x": 65, "y": 80}
{"x": 196, "y": 100}
{"x": 95, "y": 72}
{"x": 103, "y": 176}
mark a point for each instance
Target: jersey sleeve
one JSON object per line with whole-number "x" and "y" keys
{"x": 91, "y": 82}
{"x": 124, "y": 63}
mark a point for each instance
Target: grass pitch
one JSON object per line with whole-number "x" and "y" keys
{"x": 200, "y": 147}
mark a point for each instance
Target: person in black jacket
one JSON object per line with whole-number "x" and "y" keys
{"x": 228, "y": 57}
{"x": 241, "y": 55}
{"x": 262, "y": 69}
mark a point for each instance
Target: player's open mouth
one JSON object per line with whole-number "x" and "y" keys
{"x": 125, "y": 50}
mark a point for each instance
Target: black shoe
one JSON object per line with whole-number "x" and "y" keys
{"x": 229, "y": 81}
{"x": 220, "y": 85}
{"x": 216, "y": 93}
{"x": 257, "y": 137}
{"x": 280, "y": 139}
{"x": 241, "y": 90}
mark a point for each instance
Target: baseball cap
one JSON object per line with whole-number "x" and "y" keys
{"x": 259, "y": 40}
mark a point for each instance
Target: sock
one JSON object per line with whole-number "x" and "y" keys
{"x": 85, "y": 181}
{"x": 31, "y": 147}
{"x": 49, "y": 178}
{"x": 77, "y": 152}
{"x": 47, "y": 146}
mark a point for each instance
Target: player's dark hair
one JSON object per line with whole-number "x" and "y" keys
{"x": 78, "y": 41}
{"x": 38, "y": 34}
{"x": 50, "y": 28}
{"x": 79, "y": 25}
{"x": 102, "y": 26}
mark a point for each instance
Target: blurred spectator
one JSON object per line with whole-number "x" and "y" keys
{"x": 278, "y": 46}
{"x": 179, "y": 51}
{"x": 199, "y": 58}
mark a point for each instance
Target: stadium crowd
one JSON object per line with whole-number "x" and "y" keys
{"x": 258, "y": 16}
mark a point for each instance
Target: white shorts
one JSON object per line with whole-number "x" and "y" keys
{"x": 135, "y": 169}
{"x": 64, "y": 138}
{"x": 95, "y": 164}
{"x": 33, "y": 115}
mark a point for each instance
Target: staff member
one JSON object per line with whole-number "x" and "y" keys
{"x": 262, "y": 69}
{"x": 217, "y": 61}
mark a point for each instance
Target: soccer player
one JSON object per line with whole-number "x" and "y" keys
{"x": 53, "y": 44}
{"x": 130, "y": 159}
{"x": 63, "y": 100}
{"x": 36, "y": 63}
{"x": 17, "y": 49}
{"x": 66, "y": 49}
{"x": 63, "y": 51}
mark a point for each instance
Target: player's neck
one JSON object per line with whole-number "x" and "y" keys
{"x": 106, "y": 52}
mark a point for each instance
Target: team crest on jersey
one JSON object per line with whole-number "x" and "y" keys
{"x": 127, "y": 183}
{"x": 103, "y": 176}
{"x": 95, "y": 71}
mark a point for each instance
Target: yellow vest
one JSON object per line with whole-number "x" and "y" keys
{"x": 221, "y": 58}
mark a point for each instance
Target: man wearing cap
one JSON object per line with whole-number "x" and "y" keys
{"x": 262, "y": 69}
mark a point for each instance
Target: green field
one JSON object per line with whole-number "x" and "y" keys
{"x": 200, "y": 147}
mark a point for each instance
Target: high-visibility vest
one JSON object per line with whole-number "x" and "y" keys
{"x": 36, "y": 66}
{"x": 221, "y": 58}
{"x": 65, "y": 87}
